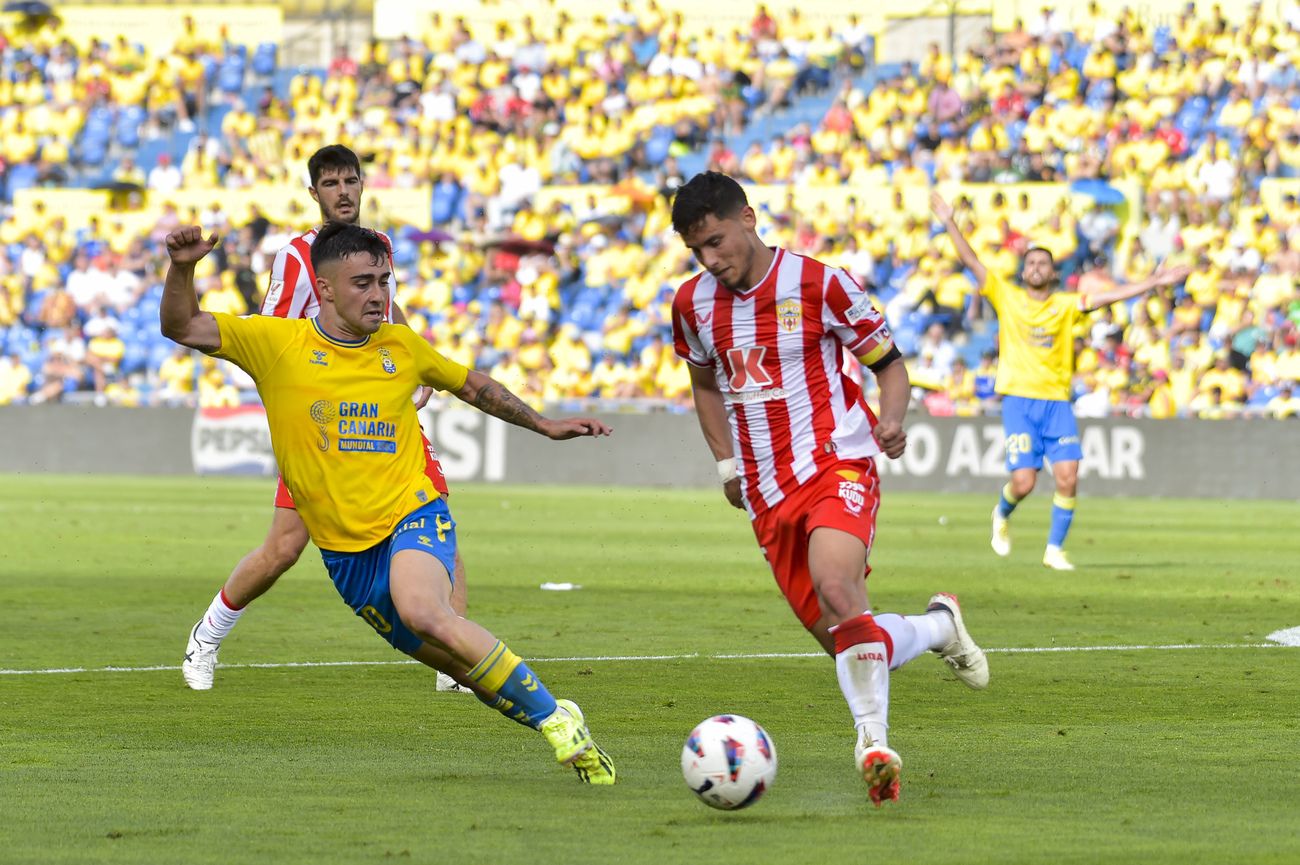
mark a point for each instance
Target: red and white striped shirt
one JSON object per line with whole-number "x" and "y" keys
{"x": 292, "y": 292}
{"x": 777, "y": 351}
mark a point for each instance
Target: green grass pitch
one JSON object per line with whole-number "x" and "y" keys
{"x": 1137, "y": 755}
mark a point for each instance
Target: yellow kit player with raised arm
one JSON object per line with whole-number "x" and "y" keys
{"x": 1036, "y": 327}
{"x": 337, "y": 390}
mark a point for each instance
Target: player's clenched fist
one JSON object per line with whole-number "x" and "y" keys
{"x": 891, "y": 438}
{"x": 187, "y": 245}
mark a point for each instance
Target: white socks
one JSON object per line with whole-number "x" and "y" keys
{"x": 218, "y": 620}
{"x": 914, "y": 635}
{"x": 862, "y": 667}
{"x": 867, "y": 647}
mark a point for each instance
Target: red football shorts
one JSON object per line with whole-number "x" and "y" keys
{"x": 432, "y": 468}
{"x": 845, "y": 496}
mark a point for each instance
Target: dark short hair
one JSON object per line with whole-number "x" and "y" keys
{"x": 710, "y": 193}
{"x": 1043, "y": 250}
{"x": 332, "y": 156}
{"x": 338, "y": 240}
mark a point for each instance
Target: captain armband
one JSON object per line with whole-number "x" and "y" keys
{"x": 885, "y": 360}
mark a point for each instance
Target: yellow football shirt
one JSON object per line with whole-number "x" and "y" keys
{"x": 1035, "y": 340}
{"x": 343, "y": 426}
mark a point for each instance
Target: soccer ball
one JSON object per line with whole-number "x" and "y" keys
{"x": 729, "y": 762}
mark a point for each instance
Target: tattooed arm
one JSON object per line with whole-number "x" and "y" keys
{"x": 491, "y": 397}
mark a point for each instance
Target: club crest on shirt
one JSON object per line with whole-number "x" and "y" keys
{"x": 387, "y": 358}
{"x": 789, "y": 313}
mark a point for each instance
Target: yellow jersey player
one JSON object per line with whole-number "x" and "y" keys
{"x": 337, "y": 187}
{"x": 1036, "y": 325}
{"x": 337, "y": 390}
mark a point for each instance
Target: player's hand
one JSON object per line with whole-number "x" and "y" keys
{"x": 573, "y": 427}
{"x": 731, "y": 489}
{"x": 1173, "y": 275}
{"x": 941, "y": 209}
{"x": 891, "y": 438}
{"x": 187, "y": 245}
{"x": 422, "y": 395}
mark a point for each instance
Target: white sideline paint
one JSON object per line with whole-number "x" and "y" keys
{"x": 1279, "y": 639}
{"x": 1286, "y": 637}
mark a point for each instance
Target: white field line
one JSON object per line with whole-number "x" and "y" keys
{"x": 693, "y": 656}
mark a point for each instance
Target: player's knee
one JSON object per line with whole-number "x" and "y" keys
{"x": 281, "y": 554}
{"x": 1023, "y": 486}
{"x": 839, "y": 599}
{"x": 431, "y": 623}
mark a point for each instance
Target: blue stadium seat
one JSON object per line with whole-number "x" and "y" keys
{"x": 405, "y": 252}
{"x": 230, "y": 77}
{"x": 128, "y": 133}
{"x": 264, "y": 59}
{"x": 21, "y": 176}
{"x": 1162, "y": 40}
{"x": 94, "y": 153}
{"x": 1262, "y": 396}
{"x": 657, "y": 145}
{"x": 158, "y": 353}
{"x": 135, "y": 358}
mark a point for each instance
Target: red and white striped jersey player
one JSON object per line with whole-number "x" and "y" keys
{"x": 764, "y": 332}
{"x": 337, "y": 186}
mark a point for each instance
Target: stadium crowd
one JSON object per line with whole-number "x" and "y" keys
{"x": 570, "y": 299}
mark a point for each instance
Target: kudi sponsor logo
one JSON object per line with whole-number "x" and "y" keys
{"x": 854, "y": 496}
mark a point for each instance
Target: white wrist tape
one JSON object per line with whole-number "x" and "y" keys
{"x": 727, "y": 469}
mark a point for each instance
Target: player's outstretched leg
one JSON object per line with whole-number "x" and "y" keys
{"x": 252, "y": 577}
{"x": 419, "y": 587}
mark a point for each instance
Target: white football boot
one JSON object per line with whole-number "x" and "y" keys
{"x": 966, "y": 659}
{"x": 200, "y": 664}
{"x": 1055, "y": 558}
{"x": 1001, "y": 540}
{"x": 447, "y": 683}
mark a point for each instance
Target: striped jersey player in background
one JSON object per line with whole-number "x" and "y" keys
{"x": 764, "y": 331}
{"x": 337, "y": 186}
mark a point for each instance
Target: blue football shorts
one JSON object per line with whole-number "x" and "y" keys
{"x": 1035, "y": 428}
{"x": 362, "y": 578}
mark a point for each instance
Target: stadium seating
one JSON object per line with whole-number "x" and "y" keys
{"x": 546, "y": 158}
